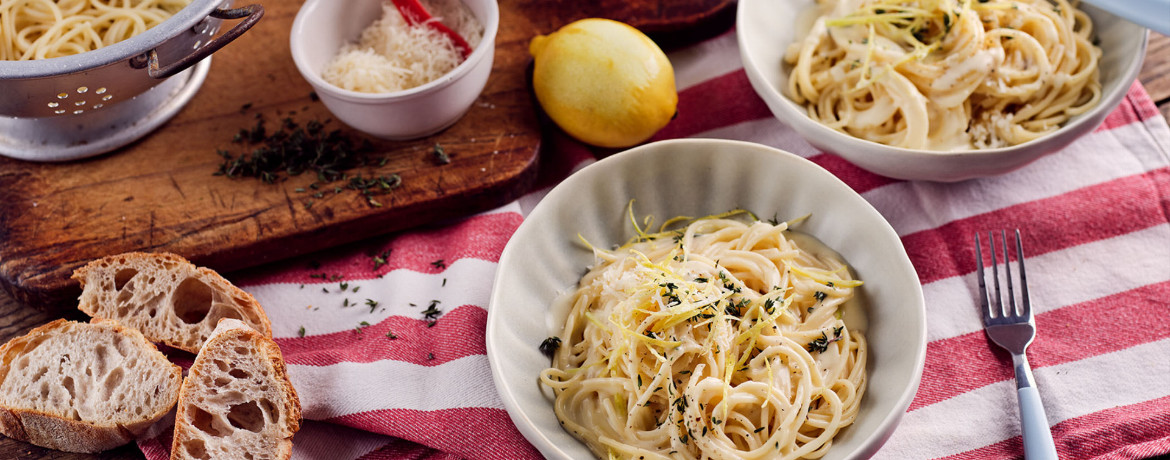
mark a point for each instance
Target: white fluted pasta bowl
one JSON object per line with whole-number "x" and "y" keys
{"x": 765, "y": 28}
{"x": 695, "y": 177}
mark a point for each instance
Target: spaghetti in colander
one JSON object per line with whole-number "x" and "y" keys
{"x": 42, "y": 29}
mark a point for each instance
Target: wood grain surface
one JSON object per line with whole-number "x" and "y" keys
{"x": 160, "y": 195}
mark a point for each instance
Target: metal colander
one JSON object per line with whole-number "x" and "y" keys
{"x": 84, "y": 92}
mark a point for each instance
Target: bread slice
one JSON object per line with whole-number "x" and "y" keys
{"x": 83, "y": 387}
{"x": 166, "y": 297}
{"x": 237, "y": 401}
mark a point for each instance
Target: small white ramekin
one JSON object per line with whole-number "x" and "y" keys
{"x": 323, "y": 26}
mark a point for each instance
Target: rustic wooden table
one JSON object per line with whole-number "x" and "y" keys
{"x": 16, "y": 319}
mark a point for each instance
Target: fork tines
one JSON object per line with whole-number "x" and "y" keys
{"x": 998, "y": 311}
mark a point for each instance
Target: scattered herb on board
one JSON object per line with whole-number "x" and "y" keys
{"x": 292, "y": 149}
{"x": 440, "y": 155}
{"x": 301, "y": 331}
{"x": 362, "y": 325}
{"x": 372, "y": 303}
{"x": 391, "y": 335}
{"x": 550, "y": 345}
{"x": 439, "y": 264}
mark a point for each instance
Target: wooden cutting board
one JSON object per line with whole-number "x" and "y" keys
{"x": 160, "y": 194}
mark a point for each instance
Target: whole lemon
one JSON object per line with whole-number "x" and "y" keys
{"x": 603, "y": 82}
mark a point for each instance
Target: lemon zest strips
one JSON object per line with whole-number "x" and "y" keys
{"x": 686, "y": 311}
{"x": 824, "y": 276}
{"x": 664, "y": 232}
{"x": 771, "y": 379}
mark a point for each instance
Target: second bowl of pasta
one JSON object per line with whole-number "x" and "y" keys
{"x": 704, "y": 298}
{"x": 941, "y": 90}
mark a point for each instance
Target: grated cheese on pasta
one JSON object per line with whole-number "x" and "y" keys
{"x": 393, "y": 56}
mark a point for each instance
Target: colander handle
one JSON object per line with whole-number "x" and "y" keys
{"x": 250, "y": 13}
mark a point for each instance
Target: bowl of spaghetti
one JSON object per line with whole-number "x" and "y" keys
{"x": 942, "y": 90}
{"x": 702, "y": 297}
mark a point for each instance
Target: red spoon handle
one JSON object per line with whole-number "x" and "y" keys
{"x": 415, "y": 14}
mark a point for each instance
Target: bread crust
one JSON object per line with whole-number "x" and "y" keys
{"x": 55, "y": 431}
{"x": 230, "y": 334}
{"x": 150, "y": 297}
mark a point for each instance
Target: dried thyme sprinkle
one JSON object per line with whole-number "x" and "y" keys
{"x": 440, "y": 155}
{"x": 301, "y": 331}
{"x": 432, "y": 312}
{"x": 291, "y": 150}
{"x": 380, "y": 259}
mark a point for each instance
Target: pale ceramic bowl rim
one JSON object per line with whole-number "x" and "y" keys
{"x": 298, "y": 35}
{"x": 542, "y": 260}
{"x": 856, "y": 149}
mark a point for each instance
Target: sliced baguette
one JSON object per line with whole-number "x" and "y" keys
{"x": 237, "y": 401}
{"x": 83, "y": 387}
{"x": 166, "y": 297}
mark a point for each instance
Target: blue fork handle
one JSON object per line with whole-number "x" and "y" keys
{"x": 1153, "y": 14}
{"x": 1038, "y": 443}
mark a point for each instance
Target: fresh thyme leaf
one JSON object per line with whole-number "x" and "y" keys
{"x": 820, "y": 344}
{"x": 301, "y": 331}
{"x": 550, "y": 345}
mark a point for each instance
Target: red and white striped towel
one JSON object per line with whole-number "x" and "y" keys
{"x": 1096, "y": 223}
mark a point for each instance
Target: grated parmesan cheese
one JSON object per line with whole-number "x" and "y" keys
{"x": 393, "y": 56}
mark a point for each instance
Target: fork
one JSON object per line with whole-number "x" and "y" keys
{"x": 1013, "y": 330}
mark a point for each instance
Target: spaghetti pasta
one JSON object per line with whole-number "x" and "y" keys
{"x": 946, "y": 74}
{"x": 721, "y": 340}
{"x": 42, "y": 29}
